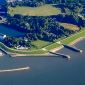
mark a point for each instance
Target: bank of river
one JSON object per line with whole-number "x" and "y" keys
{"x": 45, "y": 70}
{"x": 53, "y": 50}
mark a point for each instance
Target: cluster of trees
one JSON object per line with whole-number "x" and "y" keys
{"x": 34, "y": 3}
{"x": 14, "y": 42}
{"x": 70, "y": 18}
{"x": 36, "y": 27}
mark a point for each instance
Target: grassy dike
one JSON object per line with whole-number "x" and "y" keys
{"x": 67, "y": 40}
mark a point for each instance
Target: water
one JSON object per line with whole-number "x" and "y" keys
{"x": 10, "y": 32}
{"x": 45, "y": 70}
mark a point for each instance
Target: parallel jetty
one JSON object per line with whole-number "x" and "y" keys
{"x": 63, "y": 55}
{"x": 18, "y": 69}
{"x": 3, "y": 51}
{"x": 73, "y": 48}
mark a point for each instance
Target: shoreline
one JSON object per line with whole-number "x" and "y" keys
{"x": 72, "y": 43}
{"x": 47, "y": 54}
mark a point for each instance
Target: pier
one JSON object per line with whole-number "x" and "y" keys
{"x": 73, "y": 48}
{"x": 63, "y": 55}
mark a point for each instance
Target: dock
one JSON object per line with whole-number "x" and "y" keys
{"x": 60, "y": 54}
{"x": 73, "y": 48}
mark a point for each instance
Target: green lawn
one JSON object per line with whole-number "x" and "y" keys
{"x": 45, "y": 10}
{"x": 69, "y": 26}
{"x": 40, "y": 43}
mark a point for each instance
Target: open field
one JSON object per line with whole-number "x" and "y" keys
{"x": 70, "y": 26}
{"x": 40, "y": 43}
{"x": 45, "y": 10}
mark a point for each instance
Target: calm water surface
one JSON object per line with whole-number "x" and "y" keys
{"x": 10, "y": 32}
{"x": 45, "y": 70}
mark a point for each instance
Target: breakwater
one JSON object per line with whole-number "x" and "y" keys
{"x": 60, "y": 54}
{"x": 18, "y": 69}
{"x": 4, "y": 52}
{"x": 73, "y": 48}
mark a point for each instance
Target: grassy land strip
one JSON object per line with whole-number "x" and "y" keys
{"x": 70, "y": 26}
{"x": 45, "y": 10}
{"x": 67, "y": 40}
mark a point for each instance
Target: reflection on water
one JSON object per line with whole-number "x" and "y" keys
{"x": 10, "y": 32}
{"x": 46, "y": 70}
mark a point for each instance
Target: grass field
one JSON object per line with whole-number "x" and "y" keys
{"x": 70, "y": 26}
{"x": 45, "y": 10}
{"x": 40, "y": 43}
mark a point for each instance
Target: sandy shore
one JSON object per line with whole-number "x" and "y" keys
{"x": 53, "y": 50}
{"x": 72, "y": 43}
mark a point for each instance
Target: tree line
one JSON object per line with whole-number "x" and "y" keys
{"x": 45, "y": 28}
{"x": 35, "y": 3}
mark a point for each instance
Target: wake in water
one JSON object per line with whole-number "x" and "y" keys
{"x": 18, "y": 69}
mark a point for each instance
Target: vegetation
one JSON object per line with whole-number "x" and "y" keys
{"x": 47, "y": 10}
{"x": 67, "y": 40}
{"x": 36, "y": 28}
{"x": 40, "y": 44}
{"x": 70, "y": 26}
{"x": 43, "y": 24}
{"x": 35, "y": 3}
{"x": 49, "y": 47}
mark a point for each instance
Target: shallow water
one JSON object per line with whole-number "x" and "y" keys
{"x": 10, "y": 32}
{"x": 45, "y": 70}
